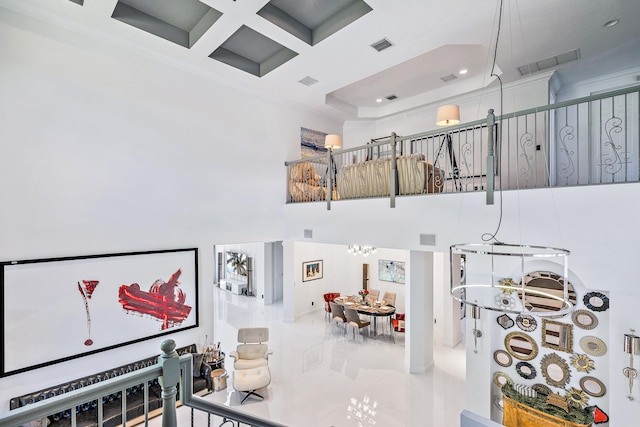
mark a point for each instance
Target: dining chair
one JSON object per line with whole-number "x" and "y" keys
{"x": 353, "y": 319}
{"x": 398, "y": 322}
{"x": 389, "y": 298}
{"x": 337, "y": 315}
{"x": 329, "y": 297}
{"x": 374, "y": 294}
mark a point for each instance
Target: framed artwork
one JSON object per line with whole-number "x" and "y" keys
{"x": 311, "y": 270}
{"x": 60, "y": 309}
{"x": 312, "y": 143}
{"x": 391, "y": 271}
{"x": 237, "y": 263}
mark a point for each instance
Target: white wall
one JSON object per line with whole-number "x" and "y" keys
{"x": 526, "y": 93}
{"x": 446, "y": 310}
{"x": 595, "y": 85}
{"x": 106, "y": 151}
{"x": 342, "y": 273}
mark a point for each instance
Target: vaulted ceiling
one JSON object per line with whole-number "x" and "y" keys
{"x": 358, "y": 58}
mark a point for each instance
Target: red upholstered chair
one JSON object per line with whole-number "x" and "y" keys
{"x": 398, "y": 322}
{"x": 329, "y": 297}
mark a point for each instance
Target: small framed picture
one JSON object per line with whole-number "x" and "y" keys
{"x": 311, "y": 270}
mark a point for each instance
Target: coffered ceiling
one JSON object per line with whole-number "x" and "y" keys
{"x": 356, "y": 58}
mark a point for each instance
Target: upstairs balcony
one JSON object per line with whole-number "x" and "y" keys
{"x": 587, "y": 141}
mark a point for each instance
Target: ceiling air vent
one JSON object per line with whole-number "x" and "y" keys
{"x": 391, "y": 97}
{"x": 308, "y": 81}
{"x": 550, "y": 62}
{"x": 382, "y": 45}
{"x": 448, "y": 78}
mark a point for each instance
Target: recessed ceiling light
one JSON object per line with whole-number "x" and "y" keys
{"x": 611, "y": 23}
{"x": 379, "y": 100}
{"x": 463, "y": 71}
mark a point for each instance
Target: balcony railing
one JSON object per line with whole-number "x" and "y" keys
{"x": 170, "y": 370}
{"x": 587, "y": 141}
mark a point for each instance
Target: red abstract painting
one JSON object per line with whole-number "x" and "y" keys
{"x": 164, "y": 301}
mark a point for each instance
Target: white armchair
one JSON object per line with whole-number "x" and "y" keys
{"x": 252, "y": 352}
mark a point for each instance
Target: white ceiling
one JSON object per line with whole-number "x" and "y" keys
{"x": 430, "y": 40}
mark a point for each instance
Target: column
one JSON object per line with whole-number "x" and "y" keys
{"x": 419, "y": 308}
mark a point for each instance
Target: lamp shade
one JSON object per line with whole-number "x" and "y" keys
{"x": 448, "y": 115}
{"x": 332, "y": 141}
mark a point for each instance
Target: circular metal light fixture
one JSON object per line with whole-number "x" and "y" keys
{"x": 480, "y": 286}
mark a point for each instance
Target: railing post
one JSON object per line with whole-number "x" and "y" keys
{"x": 491, "y": 120}
{"x": 329, "y": 179}
{"x": 170, "y": 362}
{"x": 394, "y": 172}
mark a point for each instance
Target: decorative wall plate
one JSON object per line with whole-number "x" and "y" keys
{"x": 593, "y": 346}
{"x": 505, "y": 321}
{"x": 526, "y": 370}
{"x": 500, "y": 379}
{"x": 577, "y": 397}
{"x": 593, "y": 386}
{"x": 508, "y": 285}
{"x": 542, "y": 389}
{"x": 526, "y": 323}
{"x": 582, "y": 363}
{"x": 505, "y": 301}
{"x": 538, "y": 284}
{"x": 584, "y": 319}
{"x": 521, "y": 346}
{"x": 555, "y": 370}
{"x": 596, "y": 301}
{"x": 557, "y": 335}
{"x": 502, "y": 358}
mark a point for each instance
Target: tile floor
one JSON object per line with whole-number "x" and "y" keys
{"x": 319, "y": 378}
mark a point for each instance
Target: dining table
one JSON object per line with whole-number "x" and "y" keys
{"x": 373, "y": 309}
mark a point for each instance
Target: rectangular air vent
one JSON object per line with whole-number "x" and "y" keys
{"x": 308, "y": 81}
{"x": 308, "y": 234}
{"x": 550, "y": 62}
{"x": 428, "y": 239}
{"x": 448, "y": 78}
{"x": 391, "y": 97}
{"x": 382, "y": 45}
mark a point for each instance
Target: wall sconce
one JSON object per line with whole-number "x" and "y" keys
{"x": 477, "y": 333}
{"x": 631, "y": 347}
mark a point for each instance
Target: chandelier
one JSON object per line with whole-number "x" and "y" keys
{"x": 485, "y": 279}
{"x": 361, "y": 250}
